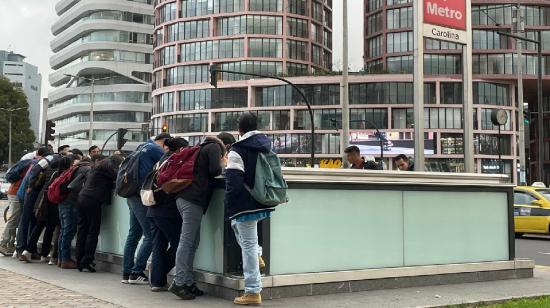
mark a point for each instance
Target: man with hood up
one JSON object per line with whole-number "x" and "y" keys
{"x": 241, "y": 209}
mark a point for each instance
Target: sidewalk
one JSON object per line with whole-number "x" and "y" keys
{"x": 53, "y": 287}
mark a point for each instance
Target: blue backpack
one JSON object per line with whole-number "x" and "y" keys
{"x": 16, "y": 172}
{"x": 127, "y": 180}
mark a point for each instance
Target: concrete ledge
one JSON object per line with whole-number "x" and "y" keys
{"x": 308, "y": 284}
{"x": 367, "y": 280}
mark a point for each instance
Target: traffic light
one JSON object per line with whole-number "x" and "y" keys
{"x": 213, "y": 79}
{"x": 164, "y": 128}
{"x": 120, "y": 140}
{"x": 50, "y": 131}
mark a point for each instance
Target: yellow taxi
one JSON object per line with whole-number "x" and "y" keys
{"x": 532, "y": 209}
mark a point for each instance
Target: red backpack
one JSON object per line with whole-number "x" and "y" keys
{"x": 57, "y": 191}
{"x": 176, "y": 174}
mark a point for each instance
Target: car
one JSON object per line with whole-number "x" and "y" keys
{"x": 532, "y": 209}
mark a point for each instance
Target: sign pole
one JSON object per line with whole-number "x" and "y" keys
{"x": 418, "y": 84}
{"x": 467, "y": 84}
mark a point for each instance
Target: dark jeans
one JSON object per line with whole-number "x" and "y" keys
{"x": 27, "y": 220}
{"x": 166, "y": 236}
{"x": 51, "y": 222}
{"x": 68, "y": 220}
{"x": 88, "y": 231}
{"x": 191, "y": 215}
{"x": 140, "y": 225}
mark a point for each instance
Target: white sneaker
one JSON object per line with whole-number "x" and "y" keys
{"x": 26, "y": 256}
{"x": 44, "y": 260}
{"x": 14, "y": 255}
{"x": 53, "y": 261}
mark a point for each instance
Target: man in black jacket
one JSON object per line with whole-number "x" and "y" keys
{"x": 192, "y": 203}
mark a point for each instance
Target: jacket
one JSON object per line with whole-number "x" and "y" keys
{"x": 165, "y": 206}
{"x": 207, "y": 167}
{"x": 22, "y": 191}
{"x": 99, "y": 184}
{"x": 83, "y": 170}
{"x": 150, "y": 155}
{"x": 241, "y": 170}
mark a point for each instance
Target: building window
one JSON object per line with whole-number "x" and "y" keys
{"x": 399, "y": 42}
{"x": 402, "y": 118}
{"x": 451, "y": 93}
{"x": 452, "y": 144}
{"x": 298, "y": 7}
{"x": 213, "y": 99}
{"x": 301, "y": 143}
{"x": 326, "y": 94}
{"x": 190, "y": 8}
{"x": 226, "y": 121}
{"x": 489, "y": 40}
{"x": 297, "y": 27}
{"x": 187, "y": 74}
{"x": 296, "y": 69}
{"x": 187, "y": 123}
{"x": 432, "y": 44}
{"x": 266, "y": 5}
{"x": 365, "y": 118}
{"x": 188, "y": 30}
{"x": 400, "y": 65}
{"x": 400, "y": 18}
{"x": 206, "y": 50}
{"x": 265, "y": 48}
{"x": 374, "y": 47}
{"x": 249, "y": 24}
{"x": 273, "y": 120}
{"x": 323, "y": 119}
{"x": 487, "y": 124}
{"x": 374, "y": 23}
{"x": 167, "y": 12}
{"x": 442, "y": 118}
{"x": 491, "y": 15}
{"x": 488, "y": 144}
{"x": 381, "y": 93}
{"x": 373, "y": 5}
{"x": 255, "y": 67}
{"x": 442, "y": 64}
{"x": 297, "y": 50}
{"x": 487, "y": 93}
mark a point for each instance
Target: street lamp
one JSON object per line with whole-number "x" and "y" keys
{"x": 92, "y": 98}
{"x": 10, "y": 111}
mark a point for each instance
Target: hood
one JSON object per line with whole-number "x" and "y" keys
{"x": 256, "y": 141}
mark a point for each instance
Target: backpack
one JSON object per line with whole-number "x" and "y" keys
{"x": 127, "y": 180}
{"x": 270, "y": 188}
{"x": 17, "y": 171}
{"x": 57, "y": 191}
{"x": 176, "y": 174}
{"x": 149, "y": 187}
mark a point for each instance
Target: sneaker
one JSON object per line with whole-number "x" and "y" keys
{"x": 195, "y": 290}
{"x": 249, "y": 299}
{"x": 184, "y": 292}
{"x": 15, "y": 255}
{"x": 44, "y": 260}
{"x": 53, "y": 261}
{"x": 159, "y": 289}
{"x": 139, "y": 278}
{"x": 5, "y": 250}
{"x": 125, "y": 278}
{"x": 26, "y": 256}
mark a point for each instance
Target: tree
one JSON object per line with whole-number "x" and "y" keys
{"x": 22, "y": 135}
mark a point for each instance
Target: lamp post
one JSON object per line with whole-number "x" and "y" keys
{"x": 92, "y": 98}
{"x": 10, "y": 111}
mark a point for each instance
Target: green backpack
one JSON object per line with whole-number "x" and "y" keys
{"x": 269, "y": 185}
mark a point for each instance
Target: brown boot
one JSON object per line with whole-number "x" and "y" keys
{"x": 249, "y": 299}
{"x": 262, "y": 264}
{"x": 68, "y": 264}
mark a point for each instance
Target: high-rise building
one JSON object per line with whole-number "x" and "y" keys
{"x": 25, "y": 76}
{"x": 108, "y": 45}
{"x": 389, "y": 47}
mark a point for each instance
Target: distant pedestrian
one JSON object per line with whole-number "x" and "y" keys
{"x": 94, "y": 150}
{"x": 64, "y": 149}
{"x": 403, "y": 163}
{"x": 353, "y": 155}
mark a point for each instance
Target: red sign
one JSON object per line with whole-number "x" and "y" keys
{"x": 446, "y": 13}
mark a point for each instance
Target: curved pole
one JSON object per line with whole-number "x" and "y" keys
{"x": 104, "y": 144}
{"x": 214, "y": 71}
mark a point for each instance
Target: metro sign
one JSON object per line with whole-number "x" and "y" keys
{"x": 445, "y": 20}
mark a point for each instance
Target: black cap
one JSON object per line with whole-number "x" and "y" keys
{"x": 162, "y": 136}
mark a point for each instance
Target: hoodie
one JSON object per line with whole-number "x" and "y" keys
{"x": 241, "y": 170}
{"x": 207, "y": 167}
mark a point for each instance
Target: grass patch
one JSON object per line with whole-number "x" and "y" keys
{"x": 536, "y": 302}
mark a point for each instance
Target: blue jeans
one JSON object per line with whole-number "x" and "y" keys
{"x": 140, "y": 226}
{"x": 68, "y": 220}
{"x": 246, "y": 233}
{"x": 28, "y": 220}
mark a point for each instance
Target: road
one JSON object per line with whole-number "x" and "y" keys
{"x": 534, "y": 247}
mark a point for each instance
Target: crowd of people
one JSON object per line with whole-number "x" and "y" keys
{"x": 61, "y": 195}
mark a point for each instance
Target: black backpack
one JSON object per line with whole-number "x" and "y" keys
{"x": 15, "y": 173}
{"x": 127, "y": 180}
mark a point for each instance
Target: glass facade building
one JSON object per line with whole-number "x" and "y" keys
{"x": 109, "y": 42}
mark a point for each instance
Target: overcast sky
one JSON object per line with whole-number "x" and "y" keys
{"x": 25, "y": 29}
